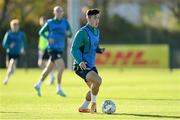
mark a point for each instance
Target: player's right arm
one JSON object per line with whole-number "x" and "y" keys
{"x": 77, "y": 43}
{"x": 75, "y": 50}
{"x": 5, "y": 43}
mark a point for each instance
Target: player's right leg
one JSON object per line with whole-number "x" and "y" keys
{"x": 84, "y": 107}
{"x": 46, "y": 71}
{"x": 51, "y": 74}
{"x": 11, "y": 67}
{"x": 43, "y": 58}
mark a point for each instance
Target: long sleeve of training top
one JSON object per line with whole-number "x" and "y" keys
{"x": 5, "y": 41}
{"x": 77, "y": 43}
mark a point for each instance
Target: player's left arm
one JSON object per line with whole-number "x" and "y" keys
{"x": 98, "y": 49}
{"x": 24, "y": 43}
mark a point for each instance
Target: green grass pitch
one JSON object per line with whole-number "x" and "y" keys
{"x": 139, "y": 94}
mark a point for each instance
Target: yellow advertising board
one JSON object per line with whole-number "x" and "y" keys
{"x": 150, "y": 56}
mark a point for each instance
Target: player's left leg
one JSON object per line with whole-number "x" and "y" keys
{"x": 96, "y": 80}
{"x": 11, "y": 68}
{"x": 52, "y": 77}
{"x": 59, "y": 63}
{"x": 41, "y": 63}
{"x": 7, "y": 61}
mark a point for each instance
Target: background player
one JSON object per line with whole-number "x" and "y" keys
{"x": 43, "y": 52}
{"x": 14, "y": 43}
{"x": 58, "y": 28}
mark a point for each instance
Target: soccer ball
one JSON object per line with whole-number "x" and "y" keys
{"x": 108, "y": 107}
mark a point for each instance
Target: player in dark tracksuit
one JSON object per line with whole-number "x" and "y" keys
{"x": 84, "y": 48}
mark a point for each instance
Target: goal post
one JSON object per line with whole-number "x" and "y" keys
{"x": 73, "y": 10}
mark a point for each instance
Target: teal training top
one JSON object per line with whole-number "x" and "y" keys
{"x": 86, "y": 45}
{"x": 57, "y": 30}
{"x": 13, "y": 42}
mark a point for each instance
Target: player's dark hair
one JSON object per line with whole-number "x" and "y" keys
{"x": 91, "y": 12}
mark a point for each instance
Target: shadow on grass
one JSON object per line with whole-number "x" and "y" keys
{"x": 11, "y": 112}
{"x": 144, "y": 115}
{"x": 152, "y": 99}
{"x": 158, "y": 99}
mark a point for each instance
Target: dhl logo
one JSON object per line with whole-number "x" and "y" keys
{"x": 123, "y": 58}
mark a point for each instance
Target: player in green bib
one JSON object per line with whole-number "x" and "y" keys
{"x": 43, "y": 53}
{"x": 43, "y": 43}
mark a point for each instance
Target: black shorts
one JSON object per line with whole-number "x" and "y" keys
{"x": 13, "y": 56}
{"x": 54, "y": 55}
{"x": 45, "y": 55}
{"x": 83, "y": 73}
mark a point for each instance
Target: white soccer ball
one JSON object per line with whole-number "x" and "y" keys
{"x": 108, "y": 107}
